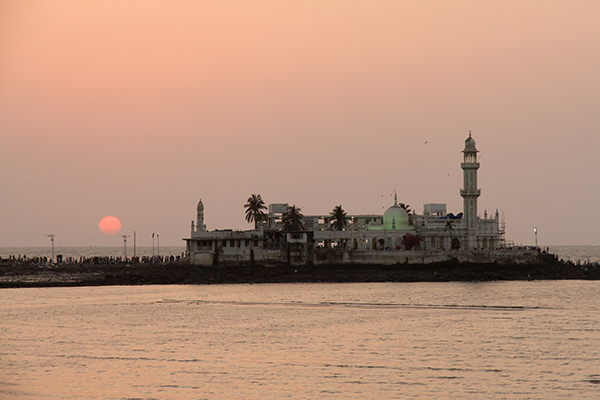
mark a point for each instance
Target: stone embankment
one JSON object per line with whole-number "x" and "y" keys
{"x": 13, "y": 276}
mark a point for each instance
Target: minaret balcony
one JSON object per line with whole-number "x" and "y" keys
{"x": 470, "y": 193}
{"x": 469, "y": 165}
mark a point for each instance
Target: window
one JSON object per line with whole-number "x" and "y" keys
{"x": 470, "y": 158}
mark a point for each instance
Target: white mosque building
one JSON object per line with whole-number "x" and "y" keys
{"x": 366, "y": 238}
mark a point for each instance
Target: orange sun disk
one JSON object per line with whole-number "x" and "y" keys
{"x": 110, "y": 225}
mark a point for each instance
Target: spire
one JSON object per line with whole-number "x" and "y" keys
{"x": 395, "y": 199}
{"x": 200, "y": 217}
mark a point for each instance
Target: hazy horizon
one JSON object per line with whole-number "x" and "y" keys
{"x": 138, "y": 109}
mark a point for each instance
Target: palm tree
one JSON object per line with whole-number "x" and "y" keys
{"x": 450, "y": 228}
{"x": 254, "y": 209}
{"x": 293, "y": 220}
{"x": 339, "y": 219}
{"x": 406, "y": 207}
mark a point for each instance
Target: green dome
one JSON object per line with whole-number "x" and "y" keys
{"x": 395, "y": 218}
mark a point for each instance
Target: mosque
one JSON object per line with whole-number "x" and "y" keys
{"x": 396, "y": 236}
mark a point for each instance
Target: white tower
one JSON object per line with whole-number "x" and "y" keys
{"x": 200, "y": 227}
{"x": 470, "y": 193}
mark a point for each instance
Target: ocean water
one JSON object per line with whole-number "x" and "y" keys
{"x": 492, "y": 340}
{"x": 581, "y": 254}
{"x": 570, "y": 253}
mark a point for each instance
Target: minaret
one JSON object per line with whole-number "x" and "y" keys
{"x": 470, "y": 193}
{"x": 200, "y": 227}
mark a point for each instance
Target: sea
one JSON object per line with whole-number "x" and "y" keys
{"x": 425, "y": 340}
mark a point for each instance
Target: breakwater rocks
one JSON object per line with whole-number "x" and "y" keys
{"x": 14, "y": 276}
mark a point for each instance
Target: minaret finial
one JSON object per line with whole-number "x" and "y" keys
{"x": 469, "y": 133}
{"x": 395, "y": 199}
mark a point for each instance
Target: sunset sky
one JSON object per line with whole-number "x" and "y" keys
{"x": 138, "y": 109}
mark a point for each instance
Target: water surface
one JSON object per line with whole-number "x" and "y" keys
{"x": 535, "y": 340}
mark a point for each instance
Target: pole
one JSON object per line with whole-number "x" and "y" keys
{"x": 157, "y": 245}
{"x": 153, "y": 245}
{"x": 51, "y": 236}
{"x": 535, "y": 232}
{"x": 125, "y": 246}
{"x": 134, "y": 254}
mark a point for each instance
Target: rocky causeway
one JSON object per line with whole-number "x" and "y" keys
{"x": 182, "y": 273}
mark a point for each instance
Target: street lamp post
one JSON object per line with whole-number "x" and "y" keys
{"x": 51, "y": 236}
{"x": 157, "y": 245}
{"x": 125, "y": 246}
{"x": 535, "y": 232}
{"x": 153, "y": 254}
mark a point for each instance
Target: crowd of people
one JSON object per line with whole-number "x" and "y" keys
{"x": 113, "y": 260}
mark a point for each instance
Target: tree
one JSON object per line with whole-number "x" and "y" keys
{"x": 411, "y": 241}
{"x": 406, "y": 207}
{"x": 254, "y": 209}
{"x": 450, "y": 228}
{"x": 339, "y": 219}
{"x": 293, "y": 220}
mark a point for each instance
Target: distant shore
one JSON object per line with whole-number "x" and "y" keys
{"x": 180, "y": 273}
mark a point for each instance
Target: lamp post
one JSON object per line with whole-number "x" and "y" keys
{"x": 125, "y": 246}
{"x": 153, "y": 245}
{"x": 535, "y": 232}
{"x": 51, "y": 236}
{"x": 157, "y": 245}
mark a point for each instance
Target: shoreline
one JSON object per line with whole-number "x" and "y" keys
{"x": 182, "y": 273}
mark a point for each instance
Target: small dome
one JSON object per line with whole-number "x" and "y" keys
{"x": 395, "y": 218}
{"x": 470, "y": 142}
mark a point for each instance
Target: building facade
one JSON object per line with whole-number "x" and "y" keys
{"x": 365, "y": 236}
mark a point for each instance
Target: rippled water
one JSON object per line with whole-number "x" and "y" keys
{"x": 577, "y": 253}
{"x": 499, "y": 340}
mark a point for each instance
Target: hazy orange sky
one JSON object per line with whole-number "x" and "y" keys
{"x": 139, "y": 108}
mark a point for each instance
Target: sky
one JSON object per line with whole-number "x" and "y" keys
{"x": 138, "y": 109}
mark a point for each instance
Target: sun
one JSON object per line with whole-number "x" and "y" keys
{"x": 110, "y": 225}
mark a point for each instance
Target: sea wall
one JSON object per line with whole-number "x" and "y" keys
{"x": 518, "y": 256}
{"x": 15, "y": 275}
{"x": 265, "y": 256}
{"x": 372, "y": 257}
